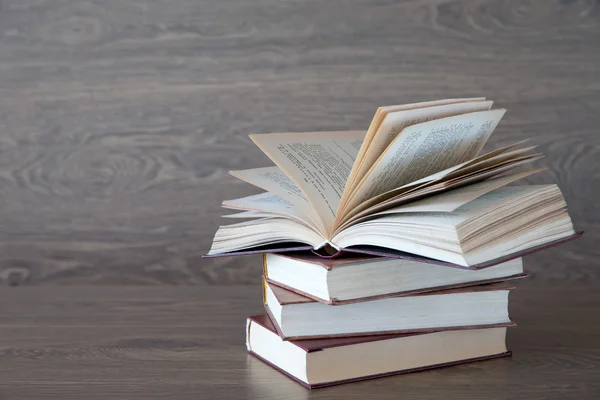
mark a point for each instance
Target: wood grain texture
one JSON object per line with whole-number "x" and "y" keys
{"x": 105, "y": 342}
{"x": 120, "y": 120}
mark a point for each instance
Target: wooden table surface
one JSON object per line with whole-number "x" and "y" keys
{"x": 119, "y": 121}
{"x": 102, "y": 342}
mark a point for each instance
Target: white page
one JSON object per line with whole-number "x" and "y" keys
{"x": 490, "y": 200}
{"x": 494, "y": 156}
{"x": 423, "y": 149}
{"x": 250, "y": 214}
{"x": 395, "y": 122}
{"x": 318, "y": 162}
{"x": 449, "y": 176}
{"x": 270, "y": 203}
{"x": 453, "y": 199}
{"x": 404, "y": 198}
{"x": 378, "y": 118}
{"x": 501, "y": 159}
{"x": 438, "y": 176}
{"x": 262, "y": 232}
{"x": 274, "y": 180}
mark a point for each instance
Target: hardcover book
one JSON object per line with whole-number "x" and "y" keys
{"x": 325, "y": 362}
{"x": 299, "y": 317}
{"x": 359, "y": 278}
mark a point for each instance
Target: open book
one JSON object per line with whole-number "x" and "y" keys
{"x": 414, "y": 183}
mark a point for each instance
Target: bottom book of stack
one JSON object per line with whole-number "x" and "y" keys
{"x": 323, "y": 362}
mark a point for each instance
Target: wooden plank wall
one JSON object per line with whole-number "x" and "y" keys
{"x": 120, "y": 120}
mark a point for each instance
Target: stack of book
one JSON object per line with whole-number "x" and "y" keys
{"x": 390, "y": 250}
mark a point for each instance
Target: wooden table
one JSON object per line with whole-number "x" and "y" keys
{"x": 100, "y": 342}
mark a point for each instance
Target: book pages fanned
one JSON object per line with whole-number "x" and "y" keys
{"x": 319, "y": 163}
{"x": 426, "y": 148}
{"x": 414, "y": 185}
{"x": 274, "y": 180}
{"x": 394, "y": 122}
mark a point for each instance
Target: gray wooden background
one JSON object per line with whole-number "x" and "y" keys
{"x": 119, "y": 120}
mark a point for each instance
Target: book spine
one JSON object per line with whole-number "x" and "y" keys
{"x": 265, "y": 274}
{"x": 327, "y": 243}
{"x": 264, "y": 287}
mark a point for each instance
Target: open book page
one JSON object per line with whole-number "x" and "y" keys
{"x": 432, "y": 227}
{"x": 479, "y": 206}
{"x": 544, "y": 216}
{"x": 262, "y": 232}
{"x": 273, "y": 180}
{"x": 492, "y": 157}
{"x": 498, "y": 161}
{"x": 495, "y": 159}
{"x": 429, "y": 192}
{"x": 488, "y": 172}
{"x": 270, "y": 203}
{"x": 453, "y": 199}
{"x": 439, "y": 186}
{"x": 395, "y": 122}
{"x": 319, "y": 163}
{"x": 249, "y": 214}
{"x": 257, "y": 214}
{"x": 423, "y": 149}
{"x": 379, "y": 117}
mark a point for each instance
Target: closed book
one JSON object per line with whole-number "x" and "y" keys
{"x": 352, "y": 278}
{"x": 325, "y": 362}
{"x": 299, "y": 317}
